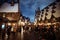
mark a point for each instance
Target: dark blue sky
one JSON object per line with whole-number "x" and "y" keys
{"x": 28, "y": 7}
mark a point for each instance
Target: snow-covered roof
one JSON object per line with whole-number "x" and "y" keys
{"x": 6, "y": 7}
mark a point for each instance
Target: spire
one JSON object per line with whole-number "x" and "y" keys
{"x": 38, "y": 9}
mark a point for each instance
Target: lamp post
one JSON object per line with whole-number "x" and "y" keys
{"x": 22, "y": 24}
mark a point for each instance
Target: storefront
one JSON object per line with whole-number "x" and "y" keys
{"x": 9, "y": 19}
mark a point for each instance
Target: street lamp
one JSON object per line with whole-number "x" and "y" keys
{"x": 19, "y": 22}
{"x": 9, "y": 24}
{"x": 3, "y": 15}
{"x": 22, "y": 23}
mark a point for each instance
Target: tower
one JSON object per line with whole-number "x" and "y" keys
{"x": 37, "y": 15}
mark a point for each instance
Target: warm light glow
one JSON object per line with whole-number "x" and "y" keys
{"x": 3, "y": 15}
{"x": 39, "y": 18}
{"x": 34, "y": 23}
{"x": 53, "y": 23}
{"x": 9, "y": 24}
{"x": 47, "y": 24}
{"x": 19, "y": 23}
{"x": 29, "y": 24}
{"x": 40, "y": 24}
{"x": 22, "y": 23}
{"x": 14, "y": 24}
{"x": 10, "y": 18}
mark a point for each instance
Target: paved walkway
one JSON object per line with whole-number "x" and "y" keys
{"x": 29, "y": 36}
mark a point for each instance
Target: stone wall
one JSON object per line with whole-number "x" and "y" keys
{"x": 56, "y": 14}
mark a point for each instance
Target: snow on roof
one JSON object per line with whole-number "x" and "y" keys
{"x": 6, "y": 7}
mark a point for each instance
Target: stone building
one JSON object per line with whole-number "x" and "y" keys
{"x": 50, "y": 12}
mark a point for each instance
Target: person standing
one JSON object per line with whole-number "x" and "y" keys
{"x": 8, "y": 31}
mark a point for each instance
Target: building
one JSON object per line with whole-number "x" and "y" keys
{"x": 9, "y": 12}
{"x": 50, "y": 13}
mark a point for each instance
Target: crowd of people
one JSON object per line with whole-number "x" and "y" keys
{"x": 46, "y": 32}
{"x": 7, "y": 31}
